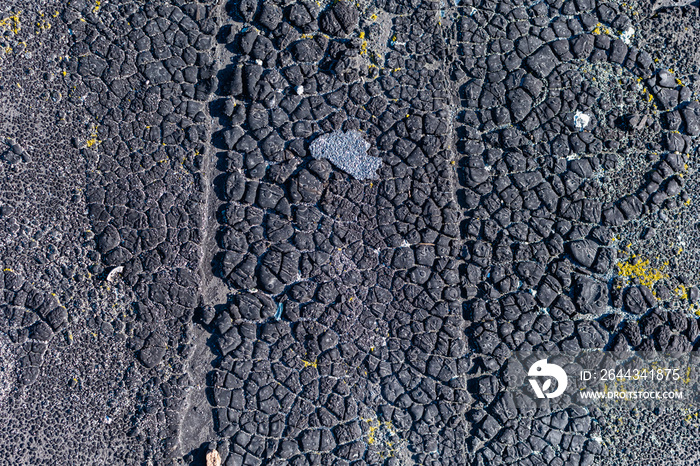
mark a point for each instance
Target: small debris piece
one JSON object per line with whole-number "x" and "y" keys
{"x": 213, "y": 458}
{"x": 112, "y": 275}
{"x": 581, "y": 120}
{"x": 280, "y": 309}
{"x": 347, "y": 151}
{"x": 627, "y": 35}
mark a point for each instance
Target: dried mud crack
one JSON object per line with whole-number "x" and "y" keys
{"x": 296, "y": 232}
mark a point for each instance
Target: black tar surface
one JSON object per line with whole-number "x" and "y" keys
{"x": 282, "y": 309}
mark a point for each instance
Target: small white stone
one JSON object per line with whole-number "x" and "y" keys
{"x": 112, "y": 275}
{"x": 300, "y": 90}
{"x": 213, "y": 458}
{"x": 581, "y": 120}
{"x": 627, "y": 35}
{"x": 259, "y": 62}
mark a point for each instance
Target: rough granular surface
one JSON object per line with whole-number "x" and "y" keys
{"x": 348, "y": 152}
{"x": 7, "y": 367}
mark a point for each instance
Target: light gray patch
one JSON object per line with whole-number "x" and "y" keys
{"x": 348, "y": 152}
{"x": 7, "y": 366}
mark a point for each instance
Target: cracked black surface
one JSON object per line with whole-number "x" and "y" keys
{"x": 183, "y": 280}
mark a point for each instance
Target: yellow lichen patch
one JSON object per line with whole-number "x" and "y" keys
{"x": 694, "y": 309}
{"x": 375, "y": 427}
{"x": 381, "y": 436}
{"x": 600, "y": 29}
{"x": 11, "y": 23}
{"x": 641, "y": 270}
{"x": 313, "y": 363}
{"x": 42, "y": 25}
{"x": 92, "y": 139}
{"x": 371, "y": 434}
{"x": 97, "y": 6}
{"x": 681, "y": 291}
{"x": 686, "y": 380}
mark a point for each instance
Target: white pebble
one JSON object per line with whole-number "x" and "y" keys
{"x": 581, "y": 120}
{"x": 300, "y": 90}
{"x": 627, "y": 35}
{"x": 112, "y": 275}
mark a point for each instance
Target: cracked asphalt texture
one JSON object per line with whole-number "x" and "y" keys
{"x": 327, "y": 225}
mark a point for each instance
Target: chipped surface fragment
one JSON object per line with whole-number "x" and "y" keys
{"x": 347, "y": 151}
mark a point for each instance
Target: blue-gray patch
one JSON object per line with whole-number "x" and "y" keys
{"x": 348, "y": 152}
